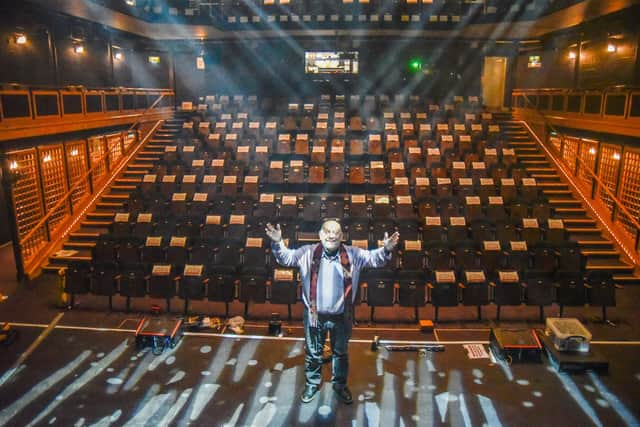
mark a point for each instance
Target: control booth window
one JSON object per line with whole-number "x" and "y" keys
{"x": 334, "y": 62}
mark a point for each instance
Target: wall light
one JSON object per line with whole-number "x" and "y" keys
{"x": 78, "y": 49}
{"x": 13, "y": 165}
{"x": 616, "y": 156}
{"x": 20, "y": 38}
{"x": 592, "y": 150}
{"x": 611, "y": 47}
{"x": 154, "y": 59}
{"x": 200, "y": 65}
{"x": 572, "y": 54}
{"x": 46, "y": 158}
{"x": 118, "y": 55}
{"x": 74, "y": 152}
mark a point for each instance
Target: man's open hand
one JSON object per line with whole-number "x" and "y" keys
{"x": 274, "y": 233}
{"x": 390, "y": 243}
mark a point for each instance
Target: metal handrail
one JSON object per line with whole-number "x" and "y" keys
{"x": 79, "y": 182}
{"x": 619, "y": 205}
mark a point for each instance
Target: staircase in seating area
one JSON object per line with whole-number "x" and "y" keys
{"x": 84, "y": 239}
{"x": 600, "y": 251}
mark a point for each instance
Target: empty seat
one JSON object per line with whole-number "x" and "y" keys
{"x": 411, "y": 290}
{"x": 544, "y": 257}
{"x": 443, "y": 289}
{"x": 570, "y": 289}
{"x": 601, "y": 290}
{"x": 162, "y": 283}
{"x": 358, "y": 228}
{"x": 538, "y": 289}
{"x": 530, "y": 231}
{"x": 475, "y": 289}
{"x": 491, "y": 258}
{"x": 252, "y": 286}
{"x": 192, "y": 284}
{"x": 133, "y": 282}
{"x": 77, "y": 280}
{"x": 412, "y": 256}
{"x": 105, "y": 249}
{"x": 104, "y": 280}
{"x": 517, "y": 256}
{"x": 380, "y": 288}
{"x": 439, "y": 255}
{"x": 284, "y": 288}
{"x": 466, "y": 255}
{"x": 507, "y": 290}
{"x": 153, "y": 251}
{"x": 570, "y": 257}
{"x": 221, "y": 285}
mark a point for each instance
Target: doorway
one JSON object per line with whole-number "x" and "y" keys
{"x": 494, "y": 74}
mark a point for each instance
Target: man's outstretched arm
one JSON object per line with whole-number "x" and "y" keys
{"x": 379, "y": 257}
{"x": 283, "y": 255}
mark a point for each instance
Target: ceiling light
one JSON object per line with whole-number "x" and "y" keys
{"x": 20, "y": 39}
{"x": 611, "y": 47}
{"x": 572, "y": 54}
{"x": 78, "y": 48}
{"x": 130, "y": 2}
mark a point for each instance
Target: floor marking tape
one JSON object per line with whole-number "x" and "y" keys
{"x": 31, "y": 348}
{"x": 54, "y": 325}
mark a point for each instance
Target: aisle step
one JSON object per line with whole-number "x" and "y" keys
{"x": 100, "y": 216}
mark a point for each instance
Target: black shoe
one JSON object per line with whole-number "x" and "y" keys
{"x": 343, "y": 394}
{"x": 309, "y": 393}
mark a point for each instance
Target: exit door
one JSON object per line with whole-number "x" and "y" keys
{"x": 494, "y": 74}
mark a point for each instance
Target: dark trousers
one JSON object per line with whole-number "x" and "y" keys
{"x": 314, "y": 338}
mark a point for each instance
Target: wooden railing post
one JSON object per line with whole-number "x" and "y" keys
{"x": 8, "y": 179}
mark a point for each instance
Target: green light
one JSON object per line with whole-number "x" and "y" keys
{"x": 415, "y": 65}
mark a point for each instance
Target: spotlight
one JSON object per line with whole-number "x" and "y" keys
{"x": 78, "y": 49}
{"x": 572, "y": 54}
{"x": 611, "y": 47}
{"x": 118, "y": 56}
{"x": 20, "y": 39}
{"x": 154, "y": 59}
{"x": 130, "y": 2}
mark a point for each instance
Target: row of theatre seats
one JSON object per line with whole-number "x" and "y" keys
{"x": 236, "y": 227}
{"x": 475, "y": 228}
{"x": 251, "y": 105}
{"x": 379, "y": 288}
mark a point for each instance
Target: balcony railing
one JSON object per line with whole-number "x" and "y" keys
{"x": 33, "y": 111}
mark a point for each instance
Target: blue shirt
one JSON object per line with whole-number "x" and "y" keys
{"x": 330, "y": 275}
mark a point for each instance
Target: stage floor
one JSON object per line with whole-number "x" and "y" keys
{"x": 82, "y": 368}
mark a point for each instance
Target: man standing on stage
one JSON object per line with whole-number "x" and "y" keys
{"x": 329, "y": 272}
